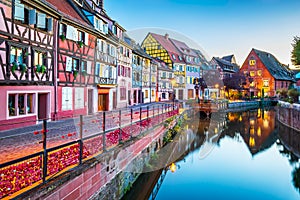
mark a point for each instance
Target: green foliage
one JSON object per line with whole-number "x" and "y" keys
{"x": 293, "y": 94}
{"x": 75, "y": 73}
{"x": 23, "y": 67}
{"x": 40, "y": 68}
{"x": 62, "y": 37}
{"x": 14, "y": 67}
{"x": 296, "y": 51}
{"x": 80, "y": 44}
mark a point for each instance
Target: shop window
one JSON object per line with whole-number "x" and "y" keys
{"x": 20, "y": 104}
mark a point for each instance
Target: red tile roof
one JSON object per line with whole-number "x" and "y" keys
{"x": 166, "y": 43}
{"x": 64, "y": 7}
{"x": 185, "y": 50}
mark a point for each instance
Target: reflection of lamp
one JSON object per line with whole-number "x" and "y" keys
{"x": 173, "y": 167}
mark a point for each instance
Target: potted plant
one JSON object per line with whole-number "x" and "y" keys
{"x": 23, "y": 67}
{"x": 80, "y": 43}
{"x": 43, "y": 69}
{"x": 75, "y": 73}
{"x": 62, "y": 37}
{"x": 14, "y": 66}
{"x": 84, "y": 73}
{"x": 38, "y": 68}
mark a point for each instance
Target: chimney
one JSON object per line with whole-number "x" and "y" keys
{"x": 167, "y": 36}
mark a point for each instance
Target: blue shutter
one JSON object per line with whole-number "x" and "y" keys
{"x": 19, "y": 10}
{"x": 41, "y": 20}
{"x": 32, "y": 17}
{"x": 49, "y": 24}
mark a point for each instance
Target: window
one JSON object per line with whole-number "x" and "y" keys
{"x": 97, "y": 69}
{"x": 122, "y": 93}
{"x": 83, "y": 66}
{"x": 266, "y": 83}
{"x": 252, "y": 73}
{"x": 252, "y": 62}
{"x": 164, "y": 75}
{"x": 16, "y": 55}
{"x": 146, "y": 94}
{"x": 20, "y": 104}
{"x": 259, "y": 73}
{"x": 72, "y": 64}
{"x": 152, "y": 93}
{"x": 40, "y": 58}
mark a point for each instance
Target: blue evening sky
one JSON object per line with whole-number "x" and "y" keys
{"x": 220, "y": 27}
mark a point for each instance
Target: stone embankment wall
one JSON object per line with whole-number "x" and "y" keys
{"x": 289, "y": 114}
{"x": 243, "y": 104}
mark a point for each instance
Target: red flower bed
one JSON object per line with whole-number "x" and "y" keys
{"x": 14, "y": 178}
{"x": 112, "y": 138}
{"x": 21, "y": 175}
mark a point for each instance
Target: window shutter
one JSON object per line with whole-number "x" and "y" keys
{"x": 79, "y": 98}
{"x": 101, "y": 25}
{"x": 69, "y": 33}
{"x": 64, "y": 98}
{"x": 105, "y": 28}
{"x": 19, "y": 10}
{"x": 114, "y": 73}
{"x": 89, "y": 67}
{"x": 41, "y": 20}
{"x": 49, "y": 24}
{"x": 86, "y": 38}
{"x": 106, "y": 72}
{"x": 32, "y": 17}
{"x": 75, "y": 34}
{"x": 68, "y": 64}
{"x": 70, "y": 98}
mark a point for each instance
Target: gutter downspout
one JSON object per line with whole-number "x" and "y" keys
{"x": 55, "y": 65}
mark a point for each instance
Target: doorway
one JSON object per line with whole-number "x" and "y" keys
{"x": 42, "y": 106}
{"x": 102, "y": 102}
{"x": 90, "y": 101}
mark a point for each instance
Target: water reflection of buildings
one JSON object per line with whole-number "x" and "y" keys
{"x": 257, "y": 128}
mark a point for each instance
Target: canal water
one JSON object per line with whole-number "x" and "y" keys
{"x": 241, "y": 155}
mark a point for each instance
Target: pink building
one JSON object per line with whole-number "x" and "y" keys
{"x": 26, "y": 63}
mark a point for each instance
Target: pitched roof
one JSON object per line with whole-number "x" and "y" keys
{"x": 226, "y": 65}
{"x": 277, "y": 70}
{"x": 184, "y": 49}
{"x": 166, "y": 43}
{"x": 228, "y": 58}
{"x": 65, "y": 8}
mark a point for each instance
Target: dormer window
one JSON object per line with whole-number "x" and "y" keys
{"x": 180, "y": 58}
{"x": 173, "y": 56}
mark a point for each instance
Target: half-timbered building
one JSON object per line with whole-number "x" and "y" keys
{"x": 27, "y": 60}
{"x": 106, "y": 54}
{"x": 161, "y": 47}
{"x": 75, "y": 61}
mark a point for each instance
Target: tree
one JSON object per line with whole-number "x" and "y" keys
{"x": 238, "y": 81}
{"x": 296, "y": 51}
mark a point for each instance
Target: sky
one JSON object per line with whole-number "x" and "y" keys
{"x": 219, "y": 27}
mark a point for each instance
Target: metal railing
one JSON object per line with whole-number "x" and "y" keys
{"x": 86, "y": 137}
